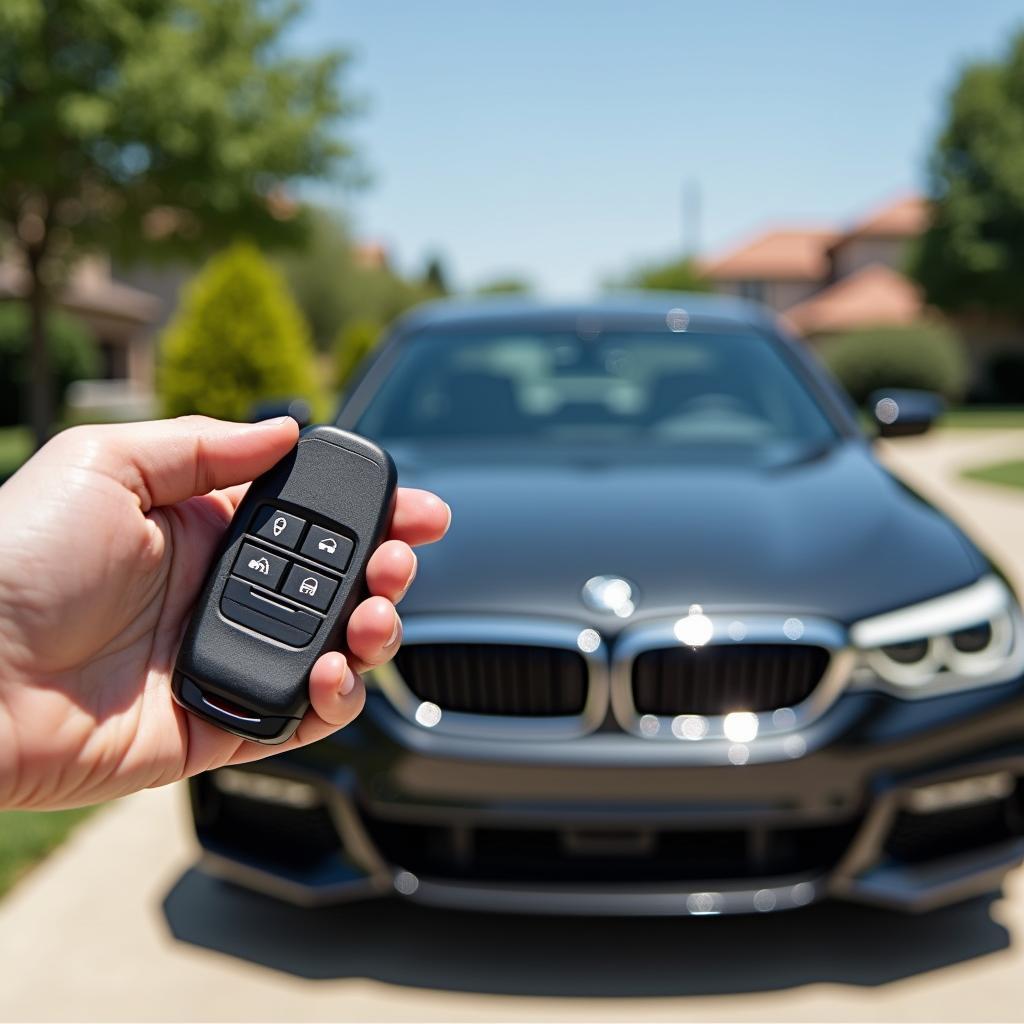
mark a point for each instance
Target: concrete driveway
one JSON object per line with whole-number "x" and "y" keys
{"x": 116, "y": 926}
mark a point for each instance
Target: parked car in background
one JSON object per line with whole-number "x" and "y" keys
{"x": 688, "y": 648}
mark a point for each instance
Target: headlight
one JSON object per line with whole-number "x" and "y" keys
{"x": 971, "y": 637}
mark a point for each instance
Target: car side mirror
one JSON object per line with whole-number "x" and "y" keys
{"x": 298, "y": 408}
{"x": 901, "y": 412}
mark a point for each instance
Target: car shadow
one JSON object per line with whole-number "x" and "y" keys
{"x": 404, "y": 944}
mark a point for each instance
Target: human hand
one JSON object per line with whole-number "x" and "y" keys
{"x": 106, "y": 535}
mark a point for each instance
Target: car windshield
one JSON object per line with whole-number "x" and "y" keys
{"x": 548, "y": 387}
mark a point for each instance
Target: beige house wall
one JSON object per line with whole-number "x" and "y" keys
{"x": 850, "y": 256}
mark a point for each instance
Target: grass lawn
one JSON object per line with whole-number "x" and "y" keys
{"x": 991, "y": 417}
{"x": 15, "y": 448}
{"x": 1009, "y": 474}
{"x": 26, "y": 837}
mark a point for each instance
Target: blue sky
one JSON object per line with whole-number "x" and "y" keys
{"x": 551, "y": 140}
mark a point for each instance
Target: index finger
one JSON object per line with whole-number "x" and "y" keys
{"x": 421, "y": 517}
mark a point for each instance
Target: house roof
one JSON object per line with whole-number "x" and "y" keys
{"x": 785, "y": 254}
{"x": 89, "y": 290}
{"x": 371, "y": 255}
{"x": 905, "y": 217}
{"x": 802, "y": 253}
{"x": 873, "y": 296}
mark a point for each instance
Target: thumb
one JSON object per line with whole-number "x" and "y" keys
{"x": 166, "y": 461}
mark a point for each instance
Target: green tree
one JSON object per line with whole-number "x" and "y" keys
{"x": 334, "y": 286}
{"x": 355, "y": 342}
{"x": 505, "y": 286}
{"x": 160, "y": 121}
{"x": 318, "y": 274}
{"x": 435, "y": 277}
{"x": 680, "y": 275}
{"x": 972, "y": 255}
{"x": 73, "y": 355}
{"x": 238, "y": 338}
{"x": 927, "y": 355}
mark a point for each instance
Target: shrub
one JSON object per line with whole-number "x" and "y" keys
{"x": 237, "y": 339}
{"x": 355, "y": 342}
{"x": 928, "y": 355}
{"x": 677, "y": 275}
{"x": 73, "y": 356}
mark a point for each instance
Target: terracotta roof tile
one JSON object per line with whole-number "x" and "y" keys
{"x": 786, "y": 254}
{"x": 873, "y": 296}
{"x": 371, "y": 255}
{"x": 904, "y": 218}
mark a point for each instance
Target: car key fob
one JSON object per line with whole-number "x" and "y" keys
{"x": 290, "y": 572}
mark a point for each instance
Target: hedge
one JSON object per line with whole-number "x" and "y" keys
{"x": 929, "y": 356}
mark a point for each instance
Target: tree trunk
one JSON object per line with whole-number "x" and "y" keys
{"x": 40, "y": 382}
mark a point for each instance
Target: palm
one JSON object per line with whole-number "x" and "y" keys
{"x": 100, "y": 687}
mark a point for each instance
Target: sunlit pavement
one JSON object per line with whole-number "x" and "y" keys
{"x": 116, "y": 927}
{"x": 993, "y": 514}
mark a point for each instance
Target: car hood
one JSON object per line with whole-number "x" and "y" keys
{"x": 833, "y": 534}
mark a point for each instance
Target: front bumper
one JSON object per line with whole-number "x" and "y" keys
{"x": 910, "y": 805}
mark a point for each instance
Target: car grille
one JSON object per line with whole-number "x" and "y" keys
{"x": 496, "y": 679}
{"x": 717, "y": 679}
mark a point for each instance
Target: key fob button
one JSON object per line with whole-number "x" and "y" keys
{"x": 264, "y": 624}
{"x": 267, "y": 604}
{"x": 309, "y": 587}
{"x": 279, "y": 527}
{"x": 331, "y": 549}
{"x": 260, "y": 566}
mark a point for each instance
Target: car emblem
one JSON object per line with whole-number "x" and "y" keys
{"x": 610, "y": 594}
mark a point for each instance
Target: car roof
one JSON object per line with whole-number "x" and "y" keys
{"x": 618, "y": 308}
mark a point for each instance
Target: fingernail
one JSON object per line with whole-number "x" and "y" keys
{"x": 348, "y": 684}
{"x": 412, "y": 576}
{"x": 395, "y": 632}
{"x": 449, "y": 523}
{"x": 275, "y": 421}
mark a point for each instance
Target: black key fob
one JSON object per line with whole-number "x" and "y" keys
{"x": 290, "y": 572}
